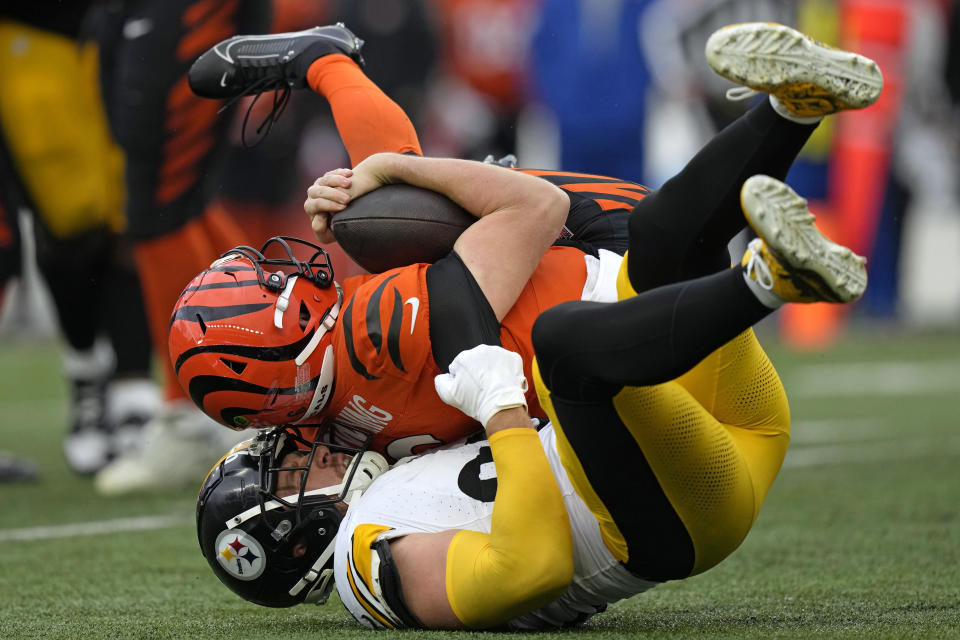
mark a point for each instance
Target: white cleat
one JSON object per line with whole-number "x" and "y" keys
{"x": 799, "y": 263}
{"x": 179, "y": 446}
{"x": 87, "y": 450}
{"x": 809, "y": 78}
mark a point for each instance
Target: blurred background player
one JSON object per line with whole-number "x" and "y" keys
{"x": 173, "y": 144}
{"x": 58, "y": 162}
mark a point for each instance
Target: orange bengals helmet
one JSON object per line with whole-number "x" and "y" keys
{"x": 250, "y": 336}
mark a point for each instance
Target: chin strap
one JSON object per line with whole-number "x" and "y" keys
{"x": 283, "y": 300}
{"x": 369, "y": 465}
{"x": 328, "y": 321}
{"x": 320, "y": 578}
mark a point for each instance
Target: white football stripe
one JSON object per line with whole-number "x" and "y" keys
{"x": 95, "y": 528}
{"x": 840, "y": 430}
{"x": 869, "y": 452}
{"x": 874, "y": 379}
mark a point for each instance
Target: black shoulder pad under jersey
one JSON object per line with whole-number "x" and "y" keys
{"x": 391, "y": 587}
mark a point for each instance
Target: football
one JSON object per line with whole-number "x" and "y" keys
{"x": 397, "y": 225}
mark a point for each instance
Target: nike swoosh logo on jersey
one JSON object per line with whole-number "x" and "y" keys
{"x": 137, "y": 27}
{"x": 415, "y": 305}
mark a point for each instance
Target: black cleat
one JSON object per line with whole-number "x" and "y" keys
{"x": 17, "y": 469}
{"x": 249, "y": 65}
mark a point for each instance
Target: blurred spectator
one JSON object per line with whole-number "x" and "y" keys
{"x": 590, "y": 72}
{"x": 688, "y": 103}
{"x": 919, "y": 227}
{"x": 477, "y": 100}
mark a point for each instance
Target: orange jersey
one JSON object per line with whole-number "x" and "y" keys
{"x": 383, "y": 383}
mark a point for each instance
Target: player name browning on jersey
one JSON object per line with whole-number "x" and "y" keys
{"x": 368, "y": 419}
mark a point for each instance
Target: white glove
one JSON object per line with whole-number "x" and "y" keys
{"x": 483, "y": 381}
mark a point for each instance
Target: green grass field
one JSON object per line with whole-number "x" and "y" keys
{"x": 859, "y": 537}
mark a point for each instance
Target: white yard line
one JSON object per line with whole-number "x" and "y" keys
{"x": 874, "y": 379}
{"x": 868, "y": 451}
{"x": 822, "y": 442}
{"x": 837, "y": 430}
{"x": 96, "y": 528}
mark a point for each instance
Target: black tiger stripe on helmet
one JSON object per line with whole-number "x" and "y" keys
{"x": 255, "y": 352}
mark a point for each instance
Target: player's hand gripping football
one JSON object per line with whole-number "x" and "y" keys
{"x": 483, "y": 381}
{"x": 333, "y": 191}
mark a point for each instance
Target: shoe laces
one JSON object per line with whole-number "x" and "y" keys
{"x": 737, "y": 94}
{"x": 87, "y": 406}
{"x": 281, "y": 96}
{"x": 757, "y": 268}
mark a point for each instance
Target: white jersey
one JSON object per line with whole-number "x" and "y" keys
{"x": 454, "y": 488}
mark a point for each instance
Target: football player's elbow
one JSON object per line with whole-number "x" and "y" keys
{"x": 548, "y": 568}
{"x": 556, "y": 207}
{"x": 547, "y": 577}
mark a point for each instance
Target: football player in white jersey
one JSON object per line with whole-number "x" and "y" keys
{"x": 668, "y": 425}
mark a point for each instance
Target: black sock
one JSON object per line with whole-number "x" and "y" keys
{"x": 682, "y": 230}
{"x": 591, "y": 350}
{"x": 124, "y": 319}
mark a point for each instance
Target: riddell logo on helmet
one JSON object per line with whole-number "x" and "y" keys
{"x": 240, "y": 555}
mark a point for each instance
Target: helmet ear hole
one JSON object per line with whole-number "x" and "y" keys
{"x": 235, "y": 366}
{"x": 273, "y": 397}
{"x": 304, "y": 316}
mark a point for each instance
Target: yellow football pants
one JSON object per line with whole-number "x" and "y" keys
{"x": 709, "y": 444}
{"x": 54, "y": 125}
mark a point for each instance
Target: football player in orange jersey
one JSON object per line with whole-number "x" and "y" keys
{"x": 257, "y": 347}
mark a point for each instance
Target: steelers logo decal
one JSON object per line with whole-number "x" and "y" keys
{"x": 241, "y": 555}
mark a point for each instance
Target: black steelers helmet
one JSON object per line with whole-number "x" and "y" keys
{"x": 270, "y": 550}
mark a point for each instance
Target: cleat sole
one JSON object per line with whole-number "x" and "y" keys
{"x": 808, "y": 77}
{"x": 781, "y": 218}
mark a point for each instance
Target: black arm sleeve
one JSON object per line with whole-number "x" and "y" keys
{"x": 460, "y": 315}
